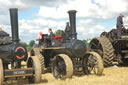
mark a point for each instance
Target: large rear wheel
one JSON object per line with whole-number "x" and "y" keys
{"x": 92, "y": 62}
{"x": 103, "y": 46}
{"x": 33, "y": 62}
{"x": 103, "y": 34}
{"x": 1, "y": 72}
{"x": 62, "y": 66}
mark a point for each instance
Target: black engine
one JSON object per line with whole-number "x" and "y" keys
{"x": 11, "y": 50}
{"x": 67, "y": 40}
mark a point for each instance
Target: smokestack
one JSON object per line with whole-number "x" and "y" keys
{"x": 14, "y": 24}
{"x": 72, "y": 17}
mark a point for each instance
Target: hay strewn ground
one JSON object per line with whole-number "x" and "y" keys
{"x": 111, "y": 76}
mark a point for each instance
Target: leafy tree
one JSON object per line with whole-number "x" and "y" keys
{"x": 85, "y": 41}
{"x": 58, "y": 32}
{"x": 31, "y": 43}
{"x": 24, "y": 44}
{"x": 28, "y": 48}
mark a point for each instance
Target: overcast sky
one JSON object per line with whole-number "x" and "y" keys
{"x": 93, "y": 16}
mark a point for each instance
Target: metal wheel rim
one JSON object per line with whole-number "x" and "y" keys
{"x": 68, "y": 69}
{"x": 34, "y": 63}
{"x": 90, "y": 66}
{"x": 57, "y": 69}
{"x": 95, "y": 65}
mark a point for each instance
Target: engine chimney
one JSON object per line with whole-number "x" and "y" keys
{"x": 14, "y": 24}
{"x": 72, "y": 17}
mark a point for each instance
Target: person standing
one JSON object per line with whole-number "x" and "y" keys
{"x": 119, "y": 25}
{"x": 39, "y": 37}
{"x": 67, "y": 31}
{"x": 51, "y": 35}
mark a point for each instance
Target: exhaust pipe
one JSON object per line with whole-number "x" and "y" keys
{"x": 14, "y": 24}
{"x": 72, "y": 17}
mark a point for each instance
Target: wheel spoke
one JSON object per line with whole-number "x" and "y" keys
{"x": 91, "y": 64}
{"x": 56, "y": 72}
{"x": 99, "y": 44}
{"x": 90, "y": 69}
{"x": 94, "y": 70}
{"x": 93, "y": 44}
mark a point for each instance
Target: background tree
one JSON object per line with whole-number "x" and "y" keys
{"x": 28, "y": 46}
{"x": 23, "y": 43}
{"x": 58, "y": 32}
{"x": 31, "y": 43}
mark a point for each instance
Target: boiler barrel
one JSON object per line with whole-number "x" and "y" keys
{"x": 15, "y": 52}
{"x": 76, "y": 48}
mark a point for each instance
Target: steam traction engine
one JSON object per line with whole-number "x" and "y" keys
{"x": 65, "y": 54}
{"x": 12, "y": 53}
{"x": 110, "y": 47}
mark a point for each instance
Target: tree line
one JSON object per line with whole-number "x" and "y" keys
{"x": 28, "y": 46}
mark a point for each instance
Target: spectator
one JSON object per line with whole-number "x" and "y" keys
{"x": 39, "y": 37}
{"x": 51, "y": 35}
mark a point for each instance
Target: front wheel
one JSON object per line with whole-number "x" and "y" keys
{"x": 62, "y": 66}
{"x": 92, "y": 63}
{"x": 33, "y": 62}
